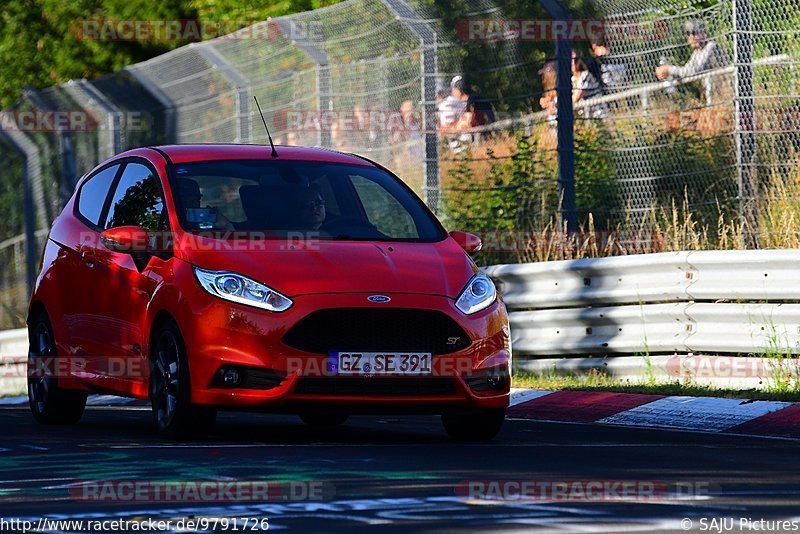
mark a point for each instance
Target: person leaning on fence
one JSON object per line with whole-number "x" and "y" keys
{"x": 612, "y": 72}
{"x": 448, "y": 108}
{"x": 548, "y": 99}
{"x": 409, "y": 129}
{"x": 586, "y": 86}
{"x": 706, "y": 55}
{"x": 477, "y": 111}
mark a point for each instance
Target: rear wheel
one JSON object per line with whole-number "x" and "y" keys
{"x": 323, "y": 419}
{"x": 50, "y": 403}
{"x": 170, "y": 389}
{"x": 475, "y": 426}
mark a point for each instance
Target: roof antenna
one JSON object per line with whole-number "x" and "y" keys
{"x": 274, "y": 152}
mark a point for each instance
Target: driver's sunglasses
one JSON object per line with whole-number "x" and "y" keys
{"x": 691, "y": 33}
{"x": 312, "y": 204}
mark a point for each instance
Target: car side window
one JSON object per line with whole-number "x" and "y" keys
{"x": 93, "y": 194}
{"x": 137, "y": 201}
{"x": 383, "y": 209}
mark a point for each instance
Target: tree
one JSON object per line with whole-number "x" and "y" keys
{"x": 41, "y": 41}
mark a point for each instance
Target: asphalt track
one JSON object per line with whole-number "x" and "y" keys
{"x": 397, "y": 474}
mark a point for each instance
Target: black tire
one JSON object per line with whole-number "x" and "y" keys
{"x": 475, "y": 426}
{"x": 324, "y": 419}
{"x": 170, "y": 388}
{"x": 50, "y": 404}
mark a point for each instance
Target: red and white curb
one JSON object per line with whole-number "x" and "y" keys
{"x": 704, "y": 414}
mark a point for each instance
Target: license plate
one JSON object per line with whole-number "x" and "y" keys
{"x": 381, "y": 363}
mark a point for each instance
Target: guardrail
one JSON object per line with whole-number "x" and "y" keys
{"x": 620, "y": 313}
{"x": 629, "y": 315}
{"x": 13, "y": 361}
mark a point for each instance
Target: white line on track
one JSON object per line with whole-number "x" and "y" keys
{"x": 658, "y": 429}
{"x": 23, "y": 481}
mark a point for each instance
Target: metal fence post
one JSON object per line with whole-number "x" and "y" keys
{"x": 111, "y": 126}
{"x": 745, "y": 120}
{"x": 29, "y": 154}
{"x": 565, "y": 120}
{"x": 324, "y": 101}
{"x": 68, "y": 177}
{"x": 317, "y": 54}
{"x": 429, "y": 70}
{"x": 243, "y": 90}
{"x": 170, "y": 114}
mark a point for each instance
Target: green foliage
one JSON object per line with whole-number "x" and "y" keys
{"x": 520, "y": 193}
{"x": 510, "y": 88}
{"x": 693, "y": 167}
{"x": 596, "y": 187}
{"x": 11, "y": 223}
{"x": 40, "y": 44}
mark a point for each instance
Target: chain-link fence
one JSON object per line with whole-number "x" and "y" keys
{"x": 693, "y": 105}
{"x": 686, "y": 130}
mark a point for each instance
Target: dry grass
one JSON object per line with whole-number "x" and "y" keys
{"x": 672, "y": 229}
{"x": 598, "y": 381}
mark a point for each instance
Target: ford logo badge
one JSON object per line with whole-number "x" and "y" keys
{"x": 378, "y": 298}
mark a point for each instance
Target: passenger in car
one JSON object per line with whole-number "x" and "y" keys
{"x": 192, "y": 197}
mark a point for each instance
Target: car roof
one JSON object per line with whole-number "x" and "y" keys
{"x": 217, "y": 152}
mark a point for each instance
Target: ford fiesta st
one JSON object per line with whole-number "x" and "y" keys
{"x": 221, "y": 277}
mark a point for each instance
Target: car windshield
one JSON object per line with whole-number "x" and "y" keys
{"x": 291, "y": 198}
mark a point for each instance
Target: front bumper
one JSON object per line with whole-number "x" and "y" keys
{"x": 220, "y": 334}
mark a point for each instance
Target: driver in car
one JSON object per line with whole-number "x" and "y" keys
{"x": 311, "y": 209}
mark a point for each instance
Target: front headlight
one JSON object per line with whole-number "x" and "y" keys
{"x": 237, "y": 288}
{"x": 479, "y": 294}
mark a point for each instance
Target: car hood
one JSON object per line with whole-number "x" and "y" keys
{"x": 441, "y": 268}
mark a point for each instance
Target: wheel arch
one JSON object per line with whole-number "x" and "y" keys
{"x": 34, "y": 309}
{"x": 161, "y": 318}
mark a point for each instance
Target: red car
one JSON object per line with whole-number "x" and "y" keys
{"x": 214, "y": 277}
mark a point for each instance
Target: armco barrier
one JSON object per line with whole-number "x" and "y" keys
{"x": 626, "y": 314}
{"x": 629, "y": 308}
{"x": 13, "y": 360}
{"x": 623, "y": 279}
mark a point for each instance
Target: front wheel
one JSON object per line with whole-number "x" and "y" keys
{"x": 475, "y": 426}
{"x": 170, "y": 389}
{"x": 50, "y": 404}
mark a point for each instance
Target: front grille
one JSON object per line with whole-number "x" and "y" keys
{"x": 358, "y": 386}
{"x": 371, "y": 330}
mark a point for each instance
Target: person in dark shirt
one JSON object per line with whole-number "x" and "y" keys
{"x": 612, "y": 72}
{"x": 310, "y": 208}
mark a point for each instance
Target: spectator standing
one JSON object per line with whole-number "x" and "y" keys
{"x": 585, "y": 86}
{"x": 477, "y": 111}
{"x": 706, "y": 55}
{"x": 611, "y": 72}
{"x": 549, "y": 96}
{"x": 448, "y": 108}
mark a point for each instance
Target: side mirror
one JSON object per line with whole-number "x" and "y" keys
{"x": 469, "y": 242}
{"x": 126, "y": 239}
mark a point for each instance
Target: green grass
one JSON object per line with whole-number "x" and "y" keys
{"x": 598, "y": 381}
